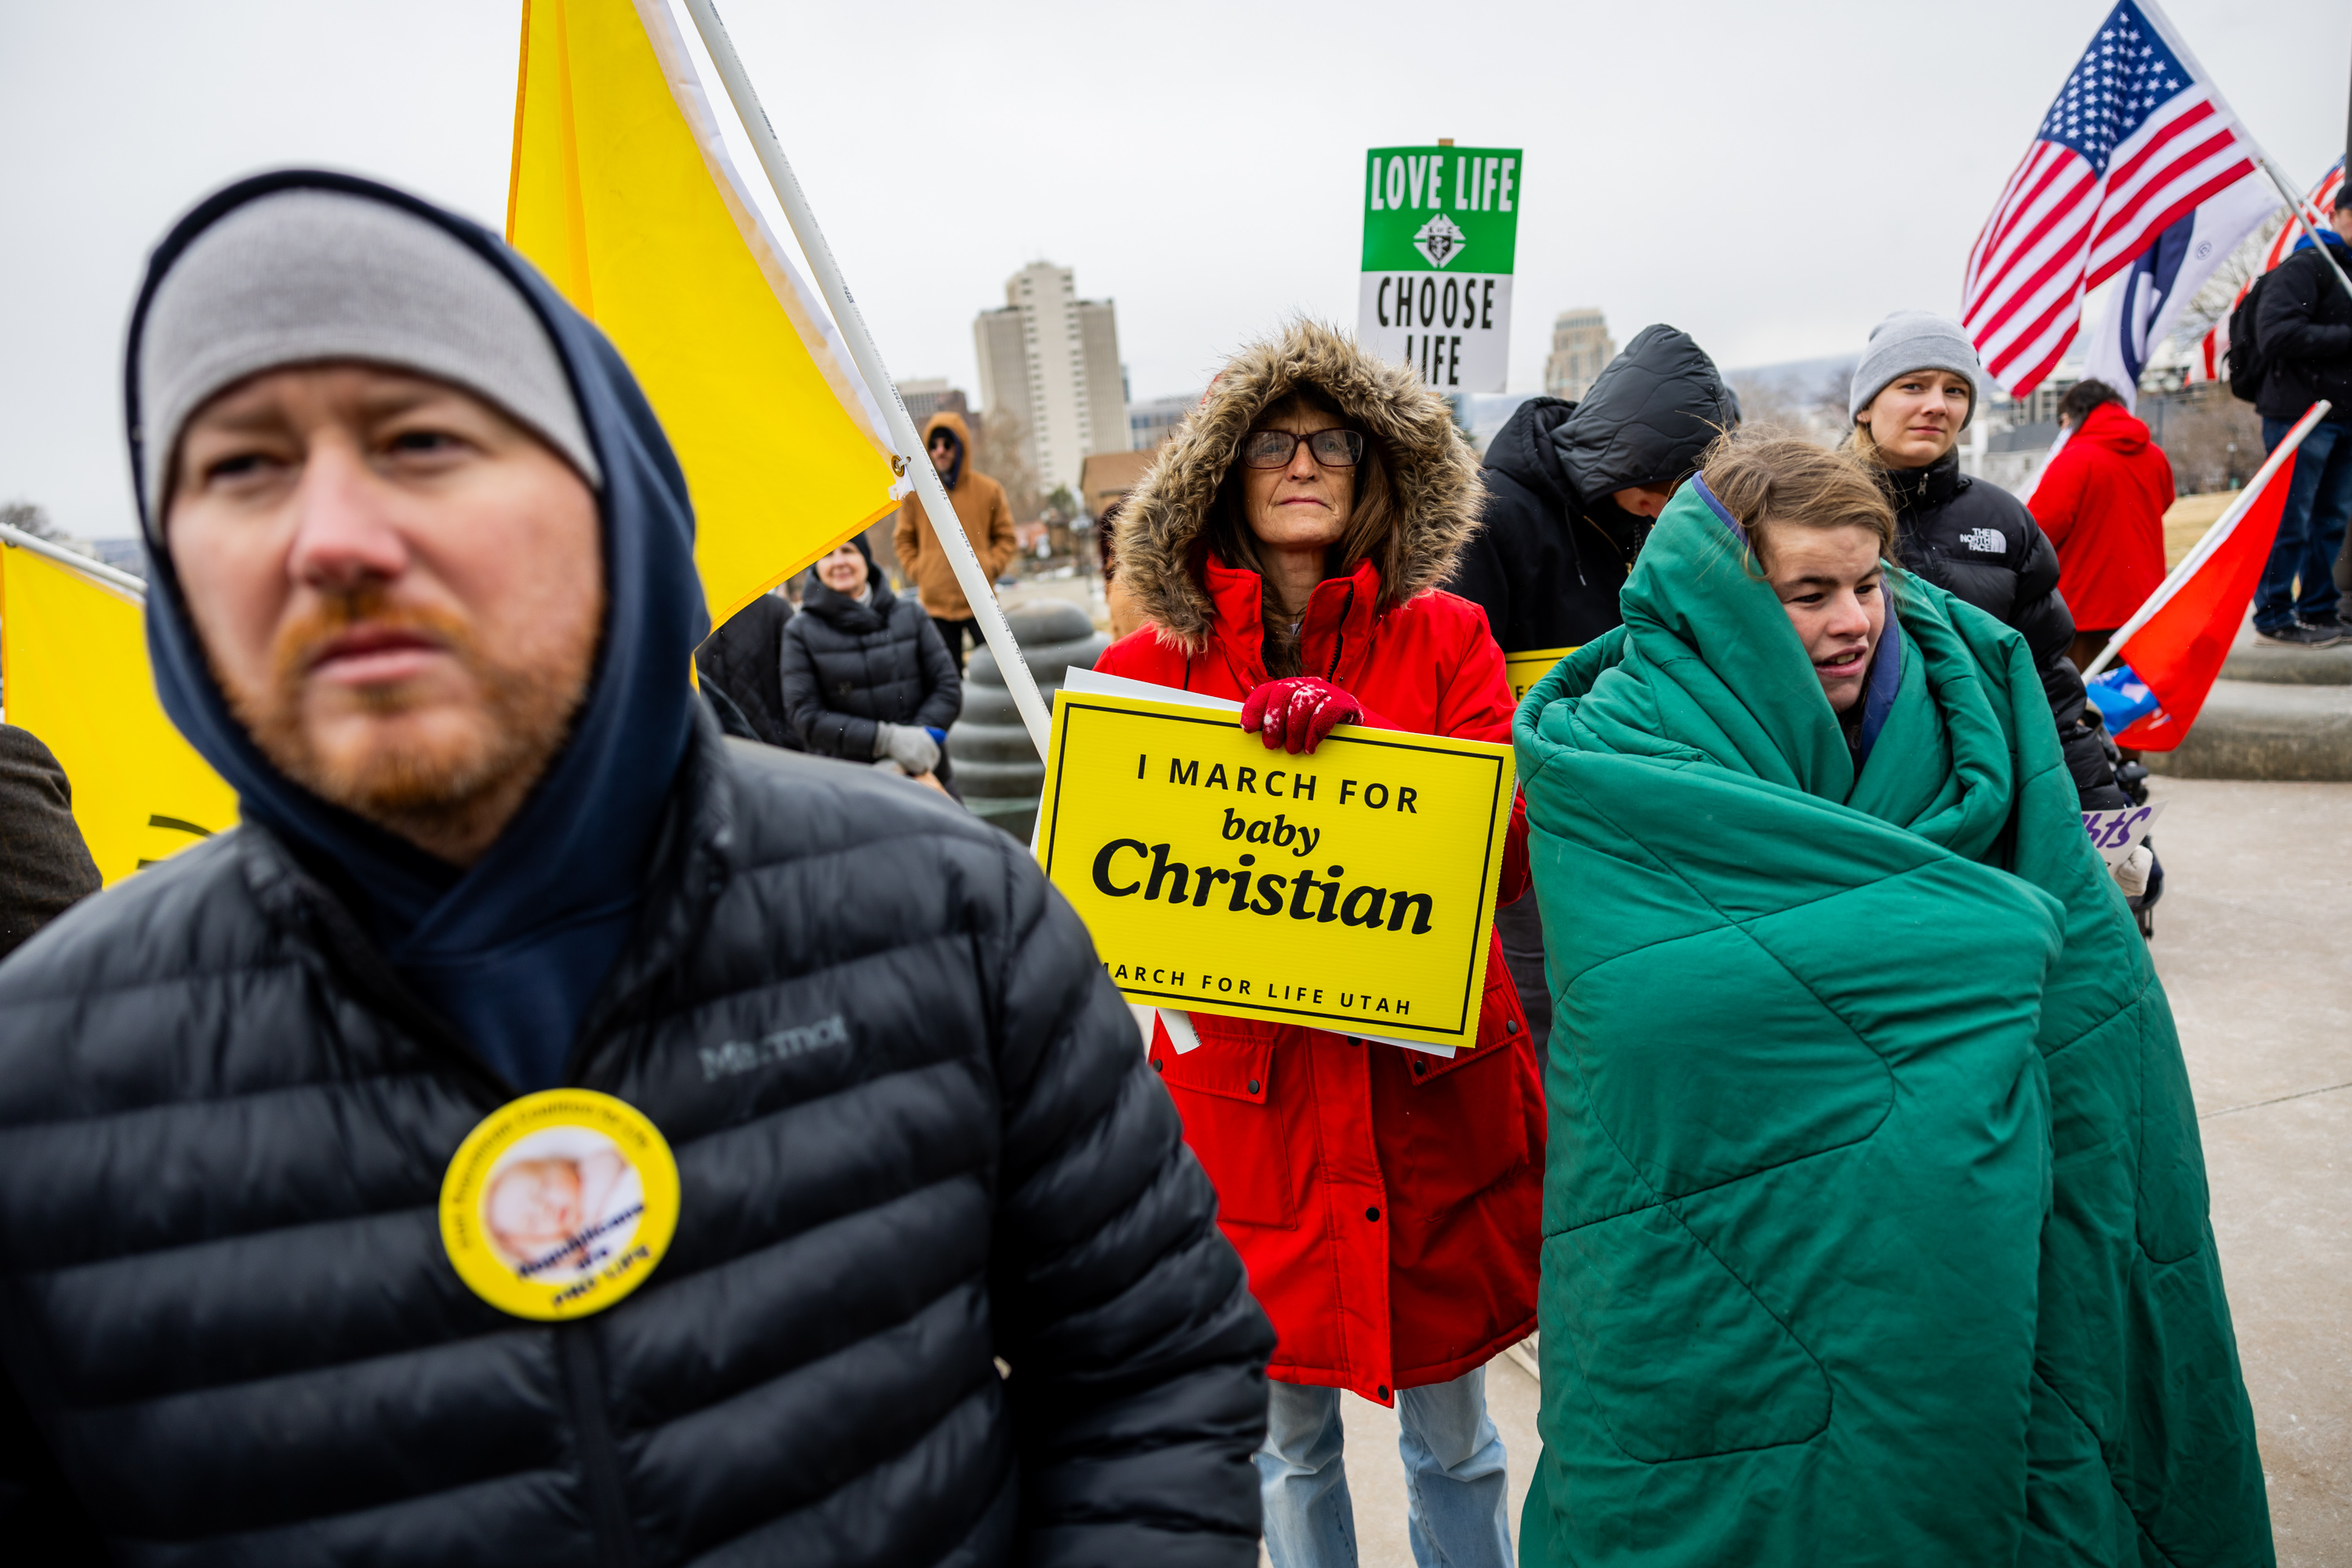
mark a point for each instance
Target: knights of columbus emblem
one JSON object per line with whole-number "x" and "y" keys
{"x": 1440, "y": 241}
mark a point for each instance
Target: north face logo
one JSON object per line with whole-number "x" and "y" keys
{"x": 1988, "y": 540}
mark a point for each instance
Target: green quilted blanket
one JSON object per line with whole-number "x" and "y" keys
{"x": 1875, "y": 1218}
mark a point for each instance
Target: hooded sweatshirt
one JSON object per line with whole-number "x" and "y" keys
{"x": 1554, "y": 549}
{"x": 979, "y": 506}
{"x": 2102, "y": 503}
{"x": 512, "y": 949}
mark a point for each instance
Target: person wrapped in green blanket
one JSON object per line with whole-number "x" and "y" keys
{"x": 1874, "y": 1216}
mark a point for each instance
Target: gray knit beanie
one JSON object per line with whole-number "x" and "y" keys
{"x": 1915, "y": 340}
{"x": 309, "y": 275}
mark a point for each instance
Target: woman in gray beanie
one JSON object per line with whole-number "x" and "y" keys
{"x": 1915, "y": 388}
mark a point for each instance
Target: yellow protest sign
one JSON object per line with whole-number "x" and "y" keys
{"x": 75, "y": 652}
{"x": 1351, "y": 889}
{"x": 1524, "y": 670}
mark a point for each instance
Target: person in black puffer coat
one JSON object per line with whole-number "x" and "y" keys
{"x": 1570, "y": 490}
{"x": 2303, "y": 326}
{"x": 737, "y": 667}
{"x": 45, "y": 866}
{"x": 1914, "y": 390}
{"x": 865, "y": 675}
{"x": 915, "y": 1143}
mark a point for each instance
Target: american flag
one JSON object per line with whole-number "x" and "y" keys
{"x": 2135, "y": 139}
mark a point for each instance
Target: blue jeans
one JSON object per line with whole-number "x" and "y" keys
{"x": 2311, "y": 528}
{"x": 1457, "y": 1496}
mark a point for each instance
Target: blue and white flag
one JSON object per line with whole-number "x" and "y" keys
{"x": 2150, "y": 294}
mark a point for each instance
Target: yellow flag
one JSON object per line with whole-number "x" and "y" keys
{"x": 75, "y": 653}
{"x": 622, "y": 193}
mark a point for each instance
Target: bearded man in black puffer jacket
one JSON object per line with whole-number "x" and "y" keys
{"x": 545, "y": 1131}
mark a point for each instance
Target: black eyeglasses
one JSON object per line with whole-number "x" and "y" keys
{"x": 1274, "y": 449}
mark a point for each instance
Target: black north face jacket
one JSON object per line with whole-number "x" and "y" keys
{"x": 1977, "y": 541}
{"x": 232, "y": 1336}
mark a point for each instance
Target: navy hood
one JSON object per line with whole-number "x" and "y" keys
{"x": 513, "y": 950}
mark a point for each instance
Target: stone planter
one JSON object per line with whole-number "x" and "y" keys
{"x": 996, "y": 768}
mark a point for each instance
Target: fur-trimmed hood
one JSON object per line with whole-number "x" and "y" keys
{"x": 1438, "y": 493}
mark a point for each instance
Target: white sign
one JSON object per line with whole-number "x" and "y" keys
{"x": 2117, "y": 832}
{"x": 1441, "y": 235}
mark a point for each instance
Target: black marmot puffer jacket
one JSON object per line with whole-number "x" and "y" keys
{"x": 914, "y": 1131}
{"x": 849, "y": 666}
{"x": 1978, "y": 542}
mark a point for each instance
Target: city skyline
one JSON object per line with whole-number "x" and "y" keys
{"x": 1764, "y": 217}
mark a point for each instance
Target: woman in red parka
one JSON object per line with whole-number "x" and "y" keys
{"x": 1285, "y": 550}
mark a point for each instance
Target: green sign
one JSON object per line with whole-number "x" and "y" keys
{"x": 1441, "y": 232}
{"x": 1441, "y": 209}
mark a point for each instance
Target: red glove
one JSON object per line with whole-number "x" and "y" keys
{"x": 1294, "y": 715}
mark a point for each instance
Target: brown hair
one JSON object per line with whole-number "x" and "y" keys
{"x": 1373, "y": 532}
{"x": 2085, "y": 395}
{"x": 1768, "y": 479}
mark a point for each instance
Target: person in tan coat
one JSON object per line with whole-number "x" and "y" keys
{"x": 987, "y": 519}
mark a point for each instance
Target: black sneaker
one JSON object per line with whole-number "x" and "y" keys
{"x": 2294, "y": 634}
{"x": 2329, "y": 627}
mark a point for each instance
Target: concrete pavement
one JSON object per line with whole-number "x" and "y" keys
{"x": 2254, "y": 942}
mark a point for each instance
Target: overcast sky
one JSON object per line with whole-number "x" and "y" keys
{"x": 1773, "y": 178}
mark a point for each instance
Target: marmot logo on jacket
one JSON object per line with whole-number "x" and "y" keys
{"x": 740, "y": 1056}
{"x": 1988, "y": 540}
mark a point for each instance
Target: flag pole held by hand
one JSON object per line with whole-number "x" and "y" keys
{"x": 2215, "y": 537}
{"x": 977, "y": 591}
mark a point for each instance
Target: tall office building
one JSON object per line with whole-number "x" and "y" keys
{"x": 1580, "y": 346}
{"x": 934, "y": 395}
{"x": 1155, "y": 419}
{"x": 1053, "y": 359}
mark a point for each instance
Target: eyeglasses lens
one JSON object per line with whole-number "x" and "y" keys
{"x": 1268, "y": 449}
{"x": 1336, "y": 448}
{"x": 1273, "y": 448}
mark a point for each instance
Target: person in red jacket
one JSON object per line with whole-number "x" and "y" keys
{"x": 2102, "y": 503}
{"x": 1286, "y": 551}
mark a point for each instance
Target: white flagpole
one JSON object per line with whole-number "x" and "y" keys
{"x": 121, "y": 581}
{"x": 977, "y": 591}
{"x": 2295, "y": 204}
{"x": 2064, "y": 431}
{"x": 2215, "y": 537}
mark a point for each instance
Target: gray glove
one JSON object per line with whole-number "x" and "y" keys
{"x": 908, "y": 745}
{"x": 2131, "y": 872}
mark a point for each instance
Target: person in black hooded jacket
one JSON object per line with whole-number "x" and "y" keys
{"x": 545, "y": 1131}
{"x": 1571, "y": 489}
{"x": 1914, "y": 390}
{"x": 865, "y": 675}
{"x": 737, "y": 666}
